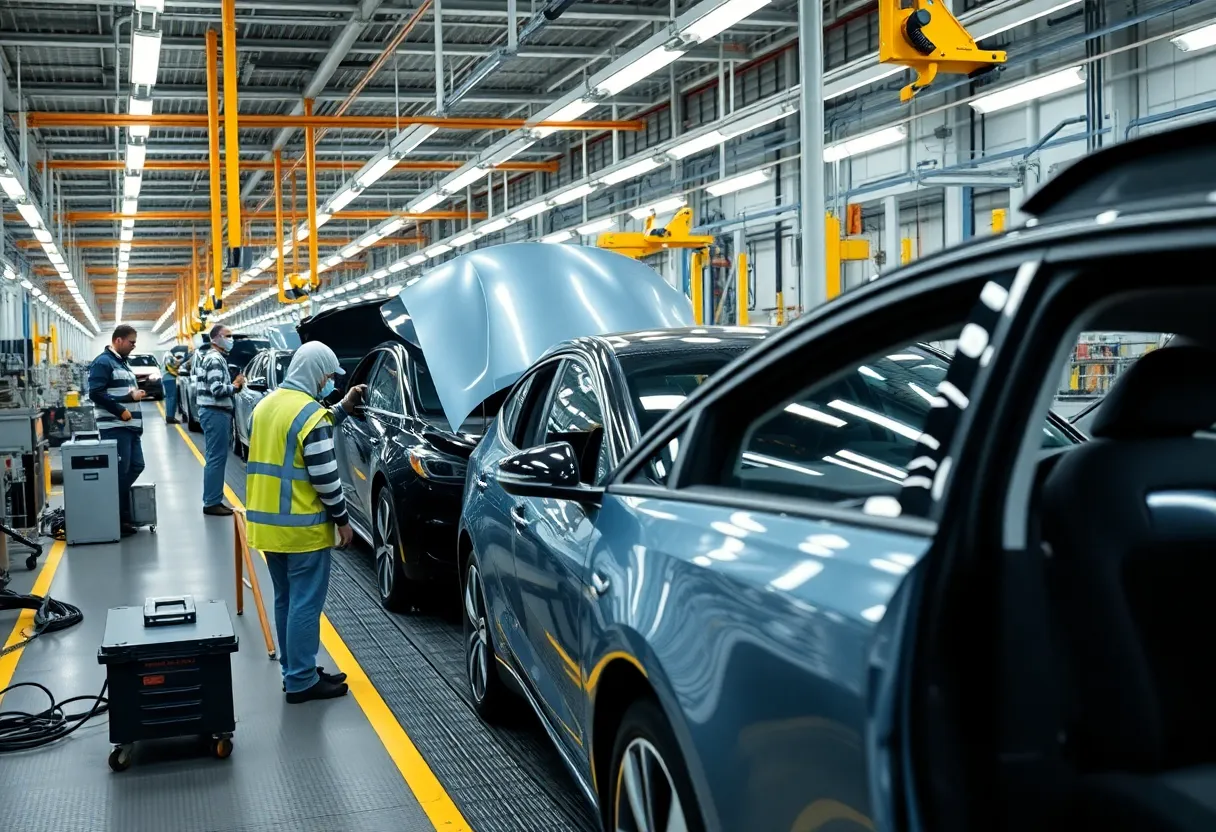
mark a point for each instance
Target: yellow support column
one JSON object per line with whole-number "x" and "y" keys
{"x": 905, "y": 250}
{"x": 741, "y": 286}
{"x": 278, "y": 223}
{"x": 998, "y": 220}
{"x": 232, "y": 142}
{"x": 832, "y": 272}
{"x": 781, "y": 309}
{"x": 213, "y": 141}
{"x": 696, "y": 281}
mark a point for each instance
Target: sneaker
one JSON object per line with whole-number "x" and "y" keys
{"x": 217, "y": 510}
{"x": 127, "y": 529}
{"x": 321, "y": 690}
{"x": 332, "y": 678}
{"x": 171, "y": 422}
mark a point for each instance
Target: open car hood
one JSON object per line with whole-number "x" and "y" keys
{"x": 484, "y": 318}
{"x": 350, "y": 331}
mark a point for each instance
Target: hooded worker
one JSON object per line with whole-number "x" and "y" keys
{"x": 296, "y": 507}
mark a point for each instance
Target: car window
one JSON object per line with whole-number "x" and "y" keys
{"x": 281, "y": 362}
{"x": 424, "y": 387}
{"x": 515, "y": 402}
{"x": 660, "y": 465}
{"x": 659, "y": 382}
{"x": 850, "y": 438}
{"x": 256, "y": 369}
{"x": 577, "y": 416}
{"x": 529, "y": 427}
{"x": 141, "y": 361}
{"x": 384, "y": 391}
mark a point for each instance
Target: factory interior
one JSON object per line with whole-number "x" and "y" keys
{"x": 637, "y": 406}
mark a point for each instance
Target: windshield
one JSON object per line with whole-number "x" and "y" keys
{"x": 141, "y": 361}
{"x": 660, "y": 381}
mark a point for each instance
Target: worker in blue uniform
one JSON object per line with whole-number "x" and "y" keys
{"x": 115, "y": 394}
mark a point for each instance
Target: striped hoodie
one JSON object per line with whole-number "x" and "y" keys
{"x": 212, "y": 385}
{"x": 321, "y": 461}
{"x": 111, "y": 385}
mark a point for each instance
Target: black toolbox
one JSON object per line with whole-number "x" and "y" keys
{"x": 169, "y": 671}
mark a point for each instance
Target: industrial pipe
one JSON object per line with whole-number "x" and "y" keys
{"x": 266, "y": 121}
{"x": 278, "y": 223}
{"x": 232, "y": 144}
{"x": 310, "y": 189}
{"x": 213, "y": 139}
{"x": 183, "y": 242}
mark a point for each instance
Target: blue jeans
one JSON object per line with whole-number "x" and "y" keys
{"x": 301, "y": 582}
{"x": 217, "y": 432}
{"x": 130, "y": 466}
{"x": 170, "y": 385}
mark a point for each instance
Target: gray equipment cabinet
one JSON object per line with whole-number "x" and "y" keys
{"x": 90, "y": 491}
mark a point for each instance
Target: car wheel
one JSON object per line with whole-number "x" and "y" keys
{"x": 649, "y": 790}
{"x": 396, "y": 590}
{"x": 481, "y": 673}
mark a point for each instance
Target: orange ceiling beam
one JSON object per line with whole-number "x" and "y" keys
{"x": 250, "y": 164}
{"x": 183, "y": 242}
{"x": 200, "y": 216}
{"x": 344, "y": 122}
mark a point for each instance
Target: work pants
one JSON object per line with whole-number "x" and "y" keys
{"x": 170, "y": 385}
{"x": 301, "y": 581}
{"x": 130, "y": 466}
{"x": 217, "y": 433}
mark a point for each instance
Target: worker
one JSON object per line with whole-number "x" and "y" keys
{"x": 296, "y": 507}
{"x": 213, "y": 392}
{"x": 115, "y": 394}
{"x": 173, "y": 366}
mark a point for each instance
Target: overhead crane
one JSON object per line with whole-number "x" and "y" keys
{"x": 926, "y": 37}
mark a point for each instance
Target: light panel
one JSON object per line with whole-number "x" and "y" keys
{"x": 740, "y": 182}
{"x": 721, "y": 19}
{"x": 1031, "y": 90}
{"x": 646, "y": 65}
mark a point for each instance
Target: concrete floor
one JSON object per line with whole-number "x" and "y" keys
{"x": 318, "y": 766}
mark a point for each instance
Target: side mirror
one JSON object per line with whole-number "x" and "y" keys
{"x": 550, "y": 471}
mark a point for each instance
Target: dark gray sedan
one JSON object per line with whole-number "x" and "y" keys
{"x": 264, "y": 373}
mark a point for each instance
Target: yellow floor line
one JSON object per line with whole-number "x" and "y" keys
{"x": 25, "y": 622}
{"x": 427, "y": 789}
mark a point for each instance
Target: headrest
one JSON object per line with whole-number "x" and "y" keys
{"x": 1170, "y": 392}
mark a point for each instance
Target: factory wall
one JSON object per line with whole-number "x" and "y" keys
{"x": 145, "y": 342}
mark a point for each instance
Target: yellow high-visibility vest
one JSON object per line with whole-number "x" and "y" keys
{"x": 283, "y": 510}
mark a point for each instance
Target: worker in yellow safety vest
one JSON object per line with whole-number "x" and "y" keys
{"x": 296, "y": 509}
{"x": 173, "y": 366}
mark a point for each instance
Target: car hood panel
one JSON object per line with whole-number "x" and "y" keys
{"x": 484, "y": 318}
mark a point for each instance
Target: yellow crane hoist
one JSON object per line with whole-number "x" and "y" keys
{"x": 651, "y": 240}
{"x": 924, "y": 36}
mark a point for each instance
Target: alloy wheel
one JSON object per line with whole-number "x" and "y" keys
{"x": 646, "y": 796}
{"x": 477, "y": 659}
{"x": 386, "y": 545}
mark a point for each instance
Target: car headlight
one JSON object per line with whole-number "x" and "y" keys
{"x": 154, "y": 376}
{"x": 431, "y": 465}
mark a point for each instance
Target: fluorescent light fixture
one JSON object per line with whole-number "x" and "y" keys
{"x": 369, "y": 238}
{"x": 126, "y": 234}
{"x": 529, "y": 211}
{"x": 366, "y": 279}
{"x": 663, "y": 206}
{"x": 703, "y": 142}
{"x": 464, "y": 239}
{"x": 1196, "y": 39}
{"x": 630, "y": 171}
{"x": 375, "y": 169}
{"x": 393, "y": 225}
{"x": 400, "y": 266}
{"x": 136, "y": 155}
{"x": 379, "y": 274}
{"x": 131, "y": 184}
{"x": 1031, "y": 90}
{"x": 411, "y": 137}
{"x": 130, "y": 206}
{"x": 721, "y": 19}
{"x": 350, "y": 251}
{"x": 341, "y": 199}
{"x": 29, "y": 213}
{"x": 574, "y": 193}
{"x": 301, "y": 233}
{"x": 435, "y": 251}
{"x": 157, "y": 6}
{"x": 428, "y": 202}
{"x": 11, "y": 186}
{"x": 865, "y": 143}
{"x": 145, "y": 56}
{"x": 415, "y": 259}
{"x": 495, "y": 225}
{"x": 139, "y": 106}
{"x": 570, "y": 112}
{"x": 738, "y": 183}
{"x": 596, "y": 226}
{"x": 509, "y": 152}
{"x": 635, "y": 71}
{"x": 462, "y": 180}
{"x": 322, "y": 218}
{"x": 558, "y": 237}
{"x": 44, "y": 236}
{"x": 754, "y": 122}
{"x": 332, "y": 261}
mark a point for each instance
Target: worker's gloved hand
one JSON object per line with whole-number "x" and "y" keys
{"x": 138, "y": 395}
{"x": 239, "y": 381}
{"x": 126, "y": 416}
{"x": 344, "y": 536}
{"x": 353, "y": 397}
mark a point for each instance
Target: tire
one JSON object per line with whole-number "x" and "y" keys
{"x": 646, "y": 744}
{"x": 490, "y": 696}
{"x": 397, "y": 592}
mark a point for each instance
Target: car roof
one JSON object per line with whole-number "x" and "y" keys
{"x": 684, "y": 339}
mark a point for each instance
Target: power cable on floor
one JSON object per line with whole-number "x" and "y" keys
{"x": 22, "y": 730}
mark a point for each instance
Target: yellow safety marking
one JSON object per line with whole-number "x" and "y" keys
{"x": 419, "y": 778}
{"x": 825, "y": 811}
{"x": 25, "y": 621}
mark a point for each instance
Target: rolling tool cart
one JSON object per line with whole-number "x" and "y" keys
{"x": 143, "y": 505}
{"x": 169, "y": 672}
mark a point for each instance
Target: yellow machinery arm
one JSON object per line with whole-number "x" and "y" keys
{"x": 651, "y": 240}
{"x": 925, "y": 37}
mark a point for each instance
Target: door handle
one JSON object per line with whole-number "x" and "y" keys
{"x": 599, "y": 583}
{"x": 373, "y": 440}
{"x": 481, "y": 483}
{"x": 518, "y": 516}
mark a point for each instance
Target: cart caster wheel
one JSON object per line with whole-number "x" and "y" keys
{"x": 152, "y": 529}
{"x": 222, "y": 748}
{"x": 31, "y": 563}
{"x": 120, "y": 758}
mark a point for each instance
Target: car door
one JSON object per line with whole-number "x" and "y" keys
{"x": 248, "y": 396}
{"x": 553, "y": 539}
{"x": 355, "y": 449}
{"x": 386, "y": 413}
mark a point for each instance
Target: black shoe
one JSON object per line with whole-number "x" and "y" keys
{"x": 127, "y": 529}
{"x": 171, "y": 422}
{"x": 332, "y": 678}
{"x": 321, "y": 690}
{"x": 217, "y": 510}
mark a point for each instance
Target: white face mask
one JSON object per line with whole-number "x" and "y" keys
{"x": 222, "y": 343}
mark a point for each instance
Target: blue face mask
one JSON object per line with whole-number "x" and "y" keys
{"x": 327, "y": 388}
